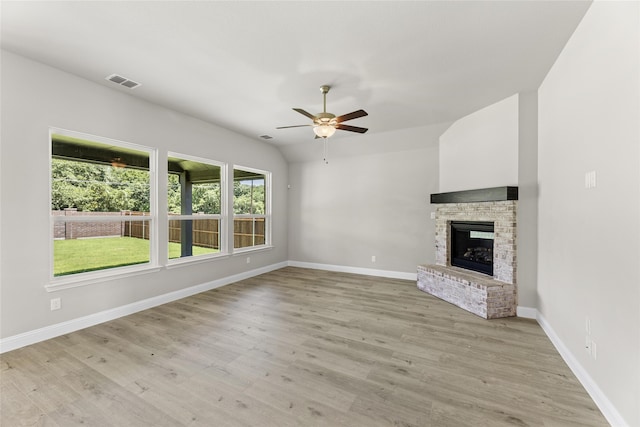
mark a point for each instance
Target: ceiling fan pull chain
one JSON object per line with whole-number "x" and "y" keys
{"x": 326, "y": 151}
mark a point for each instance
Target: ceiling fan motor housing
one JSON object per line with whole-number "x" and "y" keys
{"x": 325, "y": 119}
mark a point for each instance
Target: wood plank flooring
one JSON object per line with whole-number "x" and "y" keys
{"x": 297, "y": 347}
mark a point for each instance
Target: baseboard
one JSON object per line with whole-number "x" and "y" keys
{"x": 604, "y": 404}
{"x": 527, "y": 312}
{"x": 356, "y": 270}
{"x": 52, "y": 331}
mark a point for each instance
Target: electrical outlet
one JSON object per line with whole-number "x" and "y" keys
{"x": 433, "y": 215}
{"x": 248, "y": 260}
{"x": 373, "y": 258}
{"x": 55, "y": 304}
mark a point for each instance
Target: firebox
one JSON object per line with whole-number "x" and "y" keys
{"x": 472, "y": 246}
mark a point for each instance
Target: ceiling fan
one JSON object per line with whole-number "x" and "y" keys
{"x": 325, "y": 124}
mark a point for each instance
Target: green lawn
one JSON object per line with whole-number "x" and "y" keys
{"x": 77, "y": 256}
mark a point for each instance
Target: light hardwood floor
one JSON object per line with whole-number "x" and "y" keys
{"x": 297, "y": 347}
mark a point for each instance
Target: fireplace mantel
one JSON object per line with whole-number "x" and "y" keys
{"x": 494, "y": 194}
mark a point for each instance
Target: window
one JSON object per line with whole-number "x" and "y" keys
{"x": 195, "y": 202}
{"x": 102, "y": 205}
{"x": 251, "y": 208}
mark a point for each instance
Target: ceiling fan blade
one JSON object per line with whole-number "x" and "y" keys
{"x": 351, "y": 116}
{"x": 296, "y": 126}
{"x": 305, "y": 113}
{"x": 351, "y": 128}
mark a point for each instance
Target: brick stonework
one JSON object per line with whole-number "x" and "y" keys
{"x": 473, "y": 291}
{"x": 479, "y": 295}
{"x": 88, "y": 229}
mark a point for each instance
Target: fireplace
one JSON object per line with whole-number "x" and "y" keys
{"x": 478, "y": 273}
{"x": 472, "y": 245}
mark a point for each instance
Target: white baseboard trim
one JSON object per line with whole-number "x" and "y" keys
{"x": 356, "y": 270}
{"x": 604, "y": 404}
{"x": 526, "y": 312}
{"x": 52, "y": 331}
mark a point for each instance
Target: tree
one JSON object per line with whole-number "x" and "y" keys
{"x": 248, "y": 196}
{"x": 98, "y": 188}
{"x": 93, "y": 187}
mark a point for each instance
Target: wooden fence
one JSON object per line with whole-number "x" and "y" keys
{"x": 205, "y": 232}
{"x": 246, "y": 231}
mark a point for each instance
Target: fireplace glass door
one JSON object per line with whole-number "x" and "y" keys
{"x": 472, "y": 246}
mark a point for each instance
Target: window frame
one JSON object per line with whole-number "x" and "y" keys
{"x": 80, "y": 279}
{"x": 267, "y": 211}
{"x": 222, "y": 217}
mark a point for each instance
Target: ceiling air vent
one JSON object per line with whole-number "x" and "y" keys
{"x": 122, "y": 81}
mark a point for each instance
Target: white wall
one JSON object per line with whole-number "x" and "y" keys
{"x": 35, "y": 97}
{"x": 373, "y": 203}
{"x": 494, "y": 147}
{"x": 481, "y": 149}
{"x": 527, "y": 211}
{"x": 589, "y": 239}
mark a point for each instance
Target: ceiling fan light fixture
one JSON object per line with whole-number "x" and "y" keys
{"x": 324, "y": 130}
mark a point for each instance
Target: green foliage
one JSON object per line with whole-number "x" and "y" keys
{"x": 173, "y": 194}
{"x": 98, "y": 188}
{"x": 249, "y": 196}
{"x": 205, "y": 197}
{"x": 101, "y": 188}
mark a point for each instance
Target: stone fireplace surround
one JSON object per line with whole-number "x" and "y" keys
{"x": 483, "y": 295}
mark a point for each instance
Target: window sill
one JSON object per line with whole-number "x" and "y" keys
{"x": 261, "y": 248}
{"x": 180, "y": 262}
{"x": 61, "y": 283}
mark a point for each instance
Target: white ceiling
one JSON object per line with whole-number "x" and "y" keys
{"x": 244, "y": 65}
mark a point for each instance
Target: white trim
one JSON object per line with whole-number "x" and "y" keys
{"x": 116, "y": 217}
{"x": 257, "y": 248}
{"x": 268, "y": 220}
{"x": 356, "y": 270}
{"x": 526, "y": 312}
{"x": 52, "y": 331}
{"x": 81, "y": 279}
{"x": 194, "y": 217}
{"x": 194, "y": 259}
{"x": 599, "y": 397}
{"x": 92, "y": 277}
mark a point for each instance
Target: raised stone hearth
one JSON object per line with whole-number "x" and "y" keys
{"x": 474, "y": 292}
{"x": 486, "y": 296}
